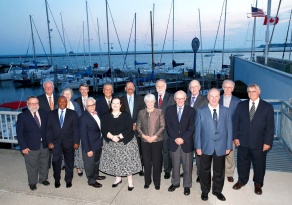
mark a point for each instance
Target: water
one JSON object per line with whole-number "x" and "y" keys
{"x": 9, "y": 92}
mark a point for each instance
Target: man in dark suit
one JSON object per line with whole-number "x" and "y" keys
{"x": 48, "y": 101}
{"x": 163, "y": 100}
{"x": 133, "y": 104}
{"x": 31, "y": 135}
{"x": 213, "y": 140}
{"x": 63, "y": 138}
{"x": 103, "y": 104}
{"x": 90, "y": 134}
{"x": 83, "y": 89}
{"x": 196, "y": 100}
{"x": 179, "y": 121}
{"x": 253, "y": 134}
{"x": 231, "y": 102}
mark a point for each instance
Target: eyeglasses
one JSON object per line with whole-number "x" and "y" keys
{"x": 252, "y": 91}
{"x": 90, "y": 105}
{"x": 180, "y": 98}
{"x": 32, "y": 103}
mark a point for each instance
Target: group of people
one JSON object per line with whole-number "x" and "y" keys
{"x": 122, "y": 136}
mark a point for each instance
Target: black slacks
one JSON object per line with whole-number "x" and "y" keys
{"x": 152, "y": 157}
{"x": 218, "y": 173}
{"x": 91, "y": 165}
{"x": 246, "y": 156}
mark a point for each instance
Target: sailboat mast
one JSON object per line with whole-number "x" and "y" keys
{"x": 107, "y": 28}
{"x": 63, "y": 33}
{"x": 135, "y": 43}
{"x": 172, "y": 29}
{"x": 267, "y": 33}
{"x": 89, "y": 55}
{"x": 253, "y": 36}
{"x": 49, "y": 32}
{"x": 201, "y": 47}
{"x": 223, "y": 51}
{"x": 152, "y": 49}
{"x": 32, "y": 39}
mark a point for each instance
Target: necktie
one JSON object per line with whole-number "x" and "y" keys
{"x": 62, "y": 118}
{"x": 160, "y": 102}
{"x": 179, "y": 114}
{"x": 131, "y": 105}
{"x": 35, "y": 117}
{"x": 109, "y": 104}
{"x": 251, "y": 112}
{"x": 193, "y": 101}
{"x": 84, "y": 103}
{"x": 215, "y": 118}
{"x": 51, "y": 103}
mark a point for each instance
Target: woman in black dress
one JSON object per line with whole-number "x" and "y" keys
{"x": 120, "y": 154}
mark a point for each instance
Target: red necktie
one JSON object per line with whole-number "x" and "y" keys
{"x": 160, "y": 102}
{"x": 94, "y": 113}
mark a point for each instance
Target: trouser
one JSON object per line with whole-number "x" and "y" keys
{"x": 167, "y": 165}
{"x": 91, "y": 165}
{"x": 229, "y": 163}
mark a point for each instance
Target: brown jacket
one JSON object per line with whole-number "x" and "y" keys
{"x": 151, "y": 124}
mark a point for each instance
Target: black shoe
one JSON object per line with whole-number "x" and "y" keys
{"x": 117, "y": 184}
{"x": 157, "y": 187}
{"x": 146, "y": 186}
{"x": 46, "y": 183}
{"x": 181, "y": 175}
{"x": 96, "y": 185}
{"x": 204, "y": 197}
{"x": 172, "y": 187}
{"x": 63, "y": 168}
{"x": 187, "y": 191}
{"x": 33, "y": 187}
{"x": 220, "y": 196}
{"x": 100, "y": 177}
{"x": 141, "y": 173}
{"x": 130, "y": 188}
{"x": 57, "y": 184}
{"x": 80, "y": 174}
{"x": 68, "y": 184}
{"x": 198, "y": 179}
{"x": 167, "y": 175}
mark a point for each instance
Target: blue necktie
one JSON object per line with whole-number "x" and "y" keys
{"x": 131, "y": 105}
{"x": 36, "y": 119}
{"x": 179, "y": 114}
{"x": 215, "y": 118}
{"x": 62, "y": 118}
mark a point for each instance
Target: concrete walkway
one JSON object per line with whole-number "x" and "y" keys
{"x": 14, "y": 189}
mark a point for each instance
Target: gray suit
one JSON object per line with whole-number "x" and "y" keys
{"x": 213, "y": 141}
{"x": 199, "y": 102}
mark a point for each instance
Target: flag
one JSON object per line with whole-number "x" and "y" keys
{"x": 271, "y": 20}
{"x": 256, "y": 12}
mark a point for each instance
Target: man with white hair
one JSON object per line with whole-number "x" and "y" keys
{"x": 48, "y": 101}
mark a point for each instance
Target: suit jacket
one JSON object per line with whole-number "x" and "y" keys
{"x": 233, "y": 104}
{"x": 153, "y": 123}
{"x": 259, "y": 131}
{"x": 29, "y": 134}
{"x": 200, "y": 101}
{"x": 138, "y": 105}
{"x": 44, "y": 103}
{"x": 183, "y": 129}
{"x": 77, "y": 108}
{"x": 68, "y": 135}
{"x": 102, "y": 107}
{"x": 90, "y": 132}
{"x": 208, "y": 138}
{"x": 168, "y": 100}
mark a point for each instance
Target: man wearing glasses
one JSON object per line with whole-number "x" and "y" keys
{"x": 91, "y": 139}
{"x": 31, "y": 135}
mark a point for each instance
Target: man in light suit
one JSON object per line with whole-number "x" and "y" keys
{"x": 196, "y": 100}
{"x": 133, "y": 104}
{"x": 90, "y": 134}
{"x": 163, "y": 100}
{"x": 48, "y": 101}
{"x": 103, "y": 104}
{"x": 63, "y": 137}
{"x": 31, "y": 135}
{"x": 231, "y": 102}
{"x": 179, "y": 121}
{"x": 253, "y": 134}
{"x": 83, "y": 89}
{"x": 213, "y": 140}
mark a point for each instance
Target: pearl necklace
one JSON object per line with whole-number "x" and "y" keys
{"x": 116, "y": 115}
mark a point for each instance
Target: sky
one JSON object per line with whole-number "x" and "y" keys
{"x": 15, "y": 33}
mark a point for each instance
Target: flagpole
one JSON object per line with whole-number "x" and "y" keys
{"x": 253, "y": 36}
{"x": 267, "y": 32}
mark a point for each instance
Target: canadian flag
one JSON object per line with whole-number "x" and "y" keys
{"x": 271, "y": 20}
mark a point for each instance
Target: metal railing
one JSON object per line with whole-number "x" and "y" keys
{"x": 8, "y": 127}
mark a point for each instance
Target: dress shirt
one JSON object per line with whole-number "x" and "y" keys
{"x": 64, "y": 113}
{"x": 226, "y": 101}
{"x": 95, "y": 116}
{"x": 212, "y": 110}
{"x": 256, "y": 103}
